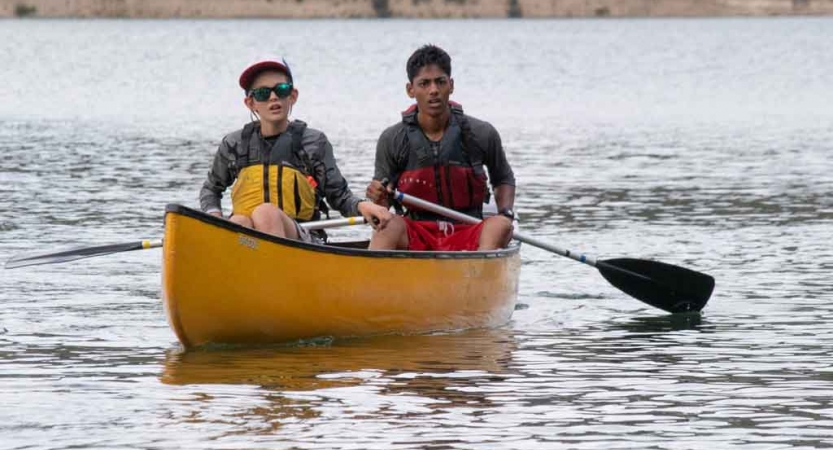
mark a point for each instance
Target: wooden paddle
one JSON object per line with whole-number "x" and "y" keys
{"x": 71, "y": 254}
{"x": 668, "y": 287}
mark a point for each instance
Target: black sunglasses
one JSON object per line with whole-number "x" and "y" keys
{"x": 262, "y": 94}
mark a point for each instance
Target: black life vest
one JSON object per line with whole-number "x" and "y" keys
{"x": 449, "y": 172}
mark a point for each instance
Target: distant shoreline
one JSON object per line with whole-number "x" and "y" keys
{"x": 311, "y": 9}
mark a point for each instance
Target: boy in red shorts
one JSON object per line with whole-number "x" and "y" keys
{"x": 437, "y": 153}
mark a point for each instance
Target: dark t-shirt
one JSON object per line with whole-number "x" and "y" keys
{"x": 271, "y": 140}
{"x": 392, "y": 153}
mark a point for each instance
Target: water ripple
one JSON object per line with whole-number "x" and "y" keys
{"x": 709, "y": 152}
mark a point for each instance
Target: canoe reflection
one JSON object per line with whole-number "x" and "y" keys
{"x": 432, "y": 361}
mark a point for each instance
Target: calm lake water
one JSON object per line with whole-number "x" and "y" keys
{"x": 702, "y": 143}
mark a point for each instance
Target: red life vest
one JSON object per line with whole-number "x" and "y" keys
{"x": 449, "y": 172}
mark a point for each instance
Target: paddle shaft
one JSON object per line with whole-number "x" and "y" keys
{"x": 517, "y": 235}
{"x": 75, "y": 253}
{"x": 333, "y": 223}
{"x": 665, "y": 286}
{"x": 451, "y": 214}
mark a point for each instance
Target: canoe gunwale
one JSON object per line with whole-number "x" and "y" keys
{"x": 335, "y": 249}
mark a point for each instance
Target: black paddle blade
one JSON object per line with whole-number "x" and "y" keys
{"x": 671, "y": 288}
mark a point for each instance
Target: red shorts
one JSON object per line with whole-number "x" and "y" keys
{"x": 429, "y": 235}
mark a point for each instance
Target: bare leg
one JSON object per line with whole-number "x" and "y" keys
{"x": 289, "y": 226}
{"x": 393, "y": 237}
{"x": 496, "y": 233}
{"x": 269, "y": 219}
{"x": 242, "y": 220}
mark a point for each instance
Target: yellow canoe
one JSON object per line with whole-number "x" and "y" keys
{"x": 227, "y": 284}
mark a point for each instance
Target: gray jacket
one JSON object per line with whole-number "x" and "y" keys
{"x": 314, "y": 143}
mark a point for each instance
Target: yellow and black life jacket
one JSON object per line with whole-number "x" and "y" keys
{"x": 282, "y": 174}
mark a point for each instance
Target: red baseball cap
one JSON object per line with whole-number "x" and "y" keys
{"x": 248, "y": 76}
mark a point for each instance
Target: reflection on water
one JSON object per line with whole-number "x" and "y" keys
{"x": 645, "y": 380}
{"x": 664, "y": 324}
{"x": 302, "y": 367}
{"x": 701, "y": 143}
{"x": 288, "y": 393}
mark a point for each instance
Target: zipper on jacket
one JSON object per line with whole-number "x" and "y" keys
{"x": 279, "y": 187}
{"x": 437, "y": 180}
{"x": 471, "y": 188}
{"x": 264, "y": 154}
{"x": 449, "y": 186}
{"x": 297, "y": 194}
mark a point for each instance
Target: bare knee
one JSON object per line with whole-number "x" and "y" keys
{"x": 264, "y": 210}
{"x": 269, "y": 219}
{"x": 396, "y": 225}
{"x": 504, "y": 229}
{"x": 393, "y": 237}
{"x": 496, "y": 233}
{"x": 241, "y": 220}
{"x": 290, "y": 227}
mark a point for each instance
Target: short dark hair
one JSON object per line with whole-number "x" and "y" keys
{"x": 425, "y": 56}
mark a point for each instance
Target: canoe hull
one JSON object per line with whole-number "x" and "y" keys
{"x": 227, "y": 284}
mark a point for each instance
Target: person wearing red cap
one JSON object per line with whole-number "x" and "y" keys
{"x": 438, "y": 153}
{"x": 280, "y": 170}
